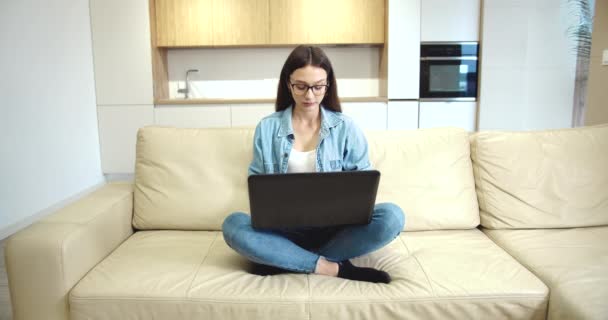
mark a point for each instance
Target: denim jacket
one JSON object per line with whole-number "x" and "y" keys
{"x": 342, "y": 145}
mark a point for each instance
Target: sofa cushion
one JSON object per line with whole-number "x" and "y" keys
{"x": 195, "y": 275}
{"x": 572, "y": 262}
{"x": 191, "y": 179}
{"x": 542, "y": 179}
{"x": 428, "y": 173}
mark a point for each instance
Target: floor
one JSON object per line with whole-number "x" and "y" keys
{"x": 5, "y": 300}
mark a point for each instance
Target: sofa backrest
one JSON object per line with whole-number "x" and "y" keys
{"x": 428, "y": 173}
{"x": 542, "y": 179}
{"x": 191, "y": 179}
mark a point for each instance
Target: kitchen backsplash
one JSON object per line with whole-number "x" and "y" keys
{"x": 233, "y": 73}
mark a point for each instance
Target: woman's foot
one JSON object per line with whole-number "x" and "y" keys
{"x": 326, "y": 268}
{"x": 349, "y": 271}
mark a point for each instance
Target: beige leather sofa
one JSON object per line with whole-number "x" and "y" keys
{"x": 499, "y": 226}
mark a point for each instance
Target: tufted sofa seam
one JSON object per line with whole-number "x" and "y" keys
{"x": 421, "y": 268}
{"x": 201, "y": 263}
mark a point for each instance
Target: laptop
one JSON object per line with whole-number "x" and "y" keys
{"x": 315, "y": 199}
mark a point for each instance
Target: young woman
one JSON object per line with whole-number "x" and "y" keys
{"x": 308, "y": 133}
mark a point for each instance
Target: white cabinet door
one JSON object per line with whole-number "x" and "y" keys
{"x": 248, "y": 115}
{"x": 367, "y": 115}
{"x": 448, "y": 114}
{"x": 121, "y": 52}
{"x": 118, "y": 127}
{"x": 403, "y": 49}
{"x": 402, "y": 115}
{"x": 193, "y": 116}
{"x": 449, "y": 20}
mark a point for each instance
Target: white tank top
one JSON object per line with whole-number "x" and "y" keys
{"x": 302, "y": 161}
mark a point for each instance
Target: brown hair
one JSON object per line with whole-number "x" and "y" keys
{"x": 300, "y": 57}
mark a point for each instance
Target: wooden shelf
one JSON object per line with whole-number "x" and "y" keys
{"x": 246, "y": 101}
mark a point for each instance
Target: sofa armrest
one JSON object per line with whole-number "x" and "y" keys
{"x": 47, "y": 259}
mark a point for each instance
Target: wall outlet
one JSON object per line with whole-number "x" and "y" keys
{"x": 605, "y": 58}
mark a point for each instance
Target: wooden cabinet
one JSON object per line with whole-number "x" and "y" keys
{"x": 186, "y": 23}
{"x": 183, "y": 23}
{"x": 240, "y": 22}
{"x": 326, "y": 22}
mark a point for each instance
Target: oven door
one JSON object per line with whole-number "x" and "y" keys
{"x": 448, "y": 78}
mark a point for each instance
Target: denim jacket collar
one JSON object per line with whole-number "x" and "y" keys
{"x": 329, "y": 120}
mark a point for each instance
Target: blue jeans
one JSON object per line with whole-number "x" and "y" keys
{"x": 299, "y": 249}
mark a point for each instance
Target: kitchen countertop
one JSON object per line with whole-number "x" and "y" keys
{"x": 246, "y": 101}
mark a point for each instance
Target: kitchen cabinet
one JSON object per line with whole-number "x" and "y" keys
{"x": 449, "y": 20}
{"x": 240, "y": 22}
{"x": 185, "y": 23}
{"x": 402, "y": 115}
{"x": 403, "y": 72}
{"x": 367, "y": 115}
{"x": 118, "y": 125}
{"x": 448, "y": 114}
{"x": 248, "y": 115}
{"x": 326, "y": 22}
{"x": 195, "y": 116}
{"x": 122, "y": 60}
{"x": 121, "y": 52}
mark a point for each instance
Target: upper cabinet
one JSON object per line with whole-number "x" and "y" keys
{"x": 403, "y": 29}
{"x": 122, "y": 54}
{"x": 184, "y": 23}
{"x": 188, "y": 23}
{"x": 327, "y": 22}
{"x": 449, "y": 20}
{"x": 240, "y": 22}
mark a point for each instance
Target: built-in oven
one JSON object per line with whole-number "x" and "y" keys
{"x": 448, "y": 71}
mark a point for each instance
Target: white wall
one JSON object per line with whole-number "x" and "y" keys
{"x": 527, "y": 65}
{"x": 254, "y": 72}
{"x": 48, "y": 121}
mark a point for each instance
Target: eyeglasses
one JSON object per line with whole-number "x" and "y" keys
{"x": 302, "y": 89}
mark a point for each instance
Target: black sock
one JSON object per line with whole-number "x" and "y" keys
{"x": 349, "y": 271}
{"x": 265, "y": 270}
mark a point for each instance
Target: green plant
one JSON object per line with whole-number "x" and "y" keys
{"x": 581, "y": 32}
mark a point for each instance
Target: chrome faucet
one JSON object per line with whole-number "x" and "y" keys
{"x": 186, "y": 90}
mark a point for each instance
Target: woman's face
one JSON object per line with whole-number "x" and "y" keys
{"x": 308, "y": 86}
